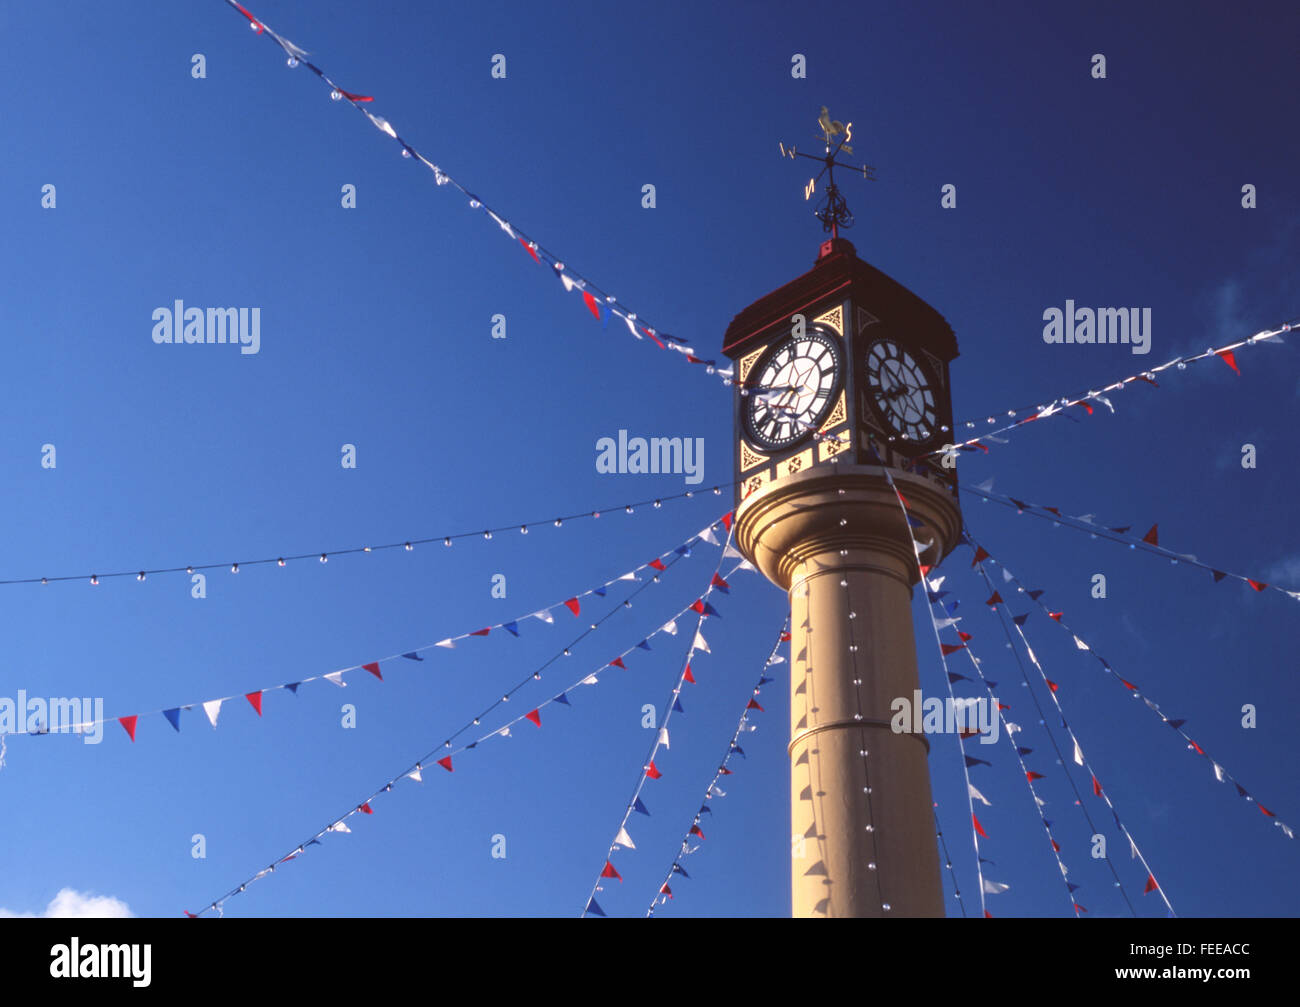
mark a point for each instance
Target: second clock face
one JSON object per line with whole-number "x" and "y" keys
{"x": 901, "y": 391}
{"x": 793, "y": 390}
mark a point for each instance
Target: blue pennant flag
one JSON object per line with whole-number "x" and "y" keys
{"x": 293, "y": 687}
{"x": 763, "y": 680}
{"x": 683, "y": 550}
{"x": 710, "y": 610}
{"x": 413, "y": 656}
{"x": 473, "y": 744}
{"x": 704, "y": 810}
{"x": 915, "y": 523}
{"x": 1047, "y": 822}
{"x": 936, "y": 595}
{"x": 638, "y": 806}
{"x": 311, "y": 842}
{"x": 986, "y": 860}
{"x": 950, "y": 609}
{"x": 594, "y": 908}
{"x": 1241, "y": 791}
{"x": 738, "y": 750}
{"x": 1072, "y": 886}
{"x": 600, "y": 591}
{"x": 1023, "y": 751}
{"x": 174, "y": 717}
{"x": 972, "y": 761}
{"x": 644, "y": 644}
{"x": 563, "y": 698}
{"x": 677, "y": 705}
{"x": 1035, "y": 594}
{"x": 1176, "y": 724}
{"x": 954, "y": 676}
{"x": 679, "y": 869}
{"x": 511, "y": 627}
{"x": 1020, "y": 620}
{"x": 990, "y": 683}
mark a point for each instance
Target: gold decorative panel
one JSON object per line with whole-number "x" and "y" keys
{"x": 795, "y": 463}
{"x": 749, "y": 458}
{"x": 837, "y": 415}
{"x": 833, "y": 319}
{"x": 830, "y": 447}
{"x": 748, "y": 361}
{"x": 754, "y": 483}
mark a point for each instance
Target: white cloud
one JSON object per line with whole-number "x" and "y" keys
{"x": 70, "y": 904}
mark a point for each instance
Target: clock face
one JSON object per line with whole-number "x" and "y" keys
{"x": 793, "y": 390}
{"x": 901, "y": 391}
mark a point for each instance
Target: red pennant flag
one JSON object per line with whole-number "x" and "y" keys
{"x": 1129, "y": 685}
{"x": 1055, "y": 615}
{"x": 978, "y": 827}
{"x": 1056, "y": 846}
{"x": 657, "y": 564}
{"x": 665, "y": 890}
{"x": 366, "y": 809}
{"x": 901, "y": 497}
{"x": 689, "y": 677}
{"x": 129, "y": 724}
{"x": 258, "y": 25}
{"x": 1265, "y": 810}
{"x": 191, "y": 915}
{"x": 651, "y": 334}
{"x": 1053, "y": 510}
{"x": 1089, "y": 408}
{"x": 717, "y": 581}
{"x": 1151, "y": 538}
{"x": 610, "y": 872}
{"x": 1076, "y": 905}
{"x": 995, "y": 600}
{"x": 698, "y": 605}
{"x": 968, "y": 732}
{"x": 535, "y": 717}
{"x": 355, "y": 97}
{"x": 1003, "y": 706}
{"x": 653, "y": 772}
{"x": 964, "y": 635}
{"x": 530, "y": 250}
{"x": 1151, "y": 884}
{"x": 1227, "y": 357}
{"x": 988, "y": 915}
{"x": 981, "y": 554}
{"x": 618, "y": 663}
{"x": 1149, "y": 381}
{"x": 573, "y": 606}
{"x": 445, "y": 763}
{"x": 726, "y": 520}
{"x": 753, "y": 705}
{"x": 725, "y": 771}
{"x": 255, "y": 698}
{"x": 925, "y": 569}
{"x": 695, "y": 831}
{"x": 1257, "y": 585}
{"x": 1096, "y": 787}
{"x": 1199, "y": 750}
{"x": 1051, "y": 685}
{"x": 373, "y": 668}
{"x": 951, "y": 648}
{"x": 590, "y": 302}
{"x": 482, "y": 632}
{"x": 1031, "y": 776}
{"x": 785, "y": 637}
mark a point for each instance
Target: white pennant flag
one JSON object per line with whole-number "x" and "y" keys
{"x": 1218, "y": 772}
{"x": 545, "y": 616}
{"x": 568, "y": 282}
{"x": 708, "y": 536}
{"x": 1080, "y": 644}
{"x": 337, "y": 678}
{"x": 663, "y": 737}
{"x": 978, "y": 796}
{"x": 670, "y": 627}
{"x": 937, "y": 582}
{"x": 449, "y": 643}
{"x": 1105, "y": 402}
{"x": 623, "y": 839}
{"x": 505, "y": 731}
{"x": 1286, "y": 829}
{"x": 701, "y": 643}
{"x": 994, "y": 887}
{"x": 212, "y": 707}
{"x": 945, "y": 623}
{"x": 1040, "y": 802}
{"x": 1086, "y": 518}
{"x": 1006, "y": 576}
{"x": 731, "y": 552}
{"x": 383, "y": 125}
{"x": 415, "y": 775}
{"x": 628, "y": 576}
{"x": 1078, "y": 753}
{"x": 747, "y": 565}
{"x": 1132, "y": 849}
{"x": 629, "y": 320}
{"x": 1012, "y": 728}
{"x": 338, "y": 827}
{"x": 986, "y": 485}
{"x": 590, "y": 680}
{"x": 505, "y": 226}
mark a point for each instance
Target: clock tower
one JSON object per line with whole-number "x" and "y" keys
{"x": 842, "y": 385}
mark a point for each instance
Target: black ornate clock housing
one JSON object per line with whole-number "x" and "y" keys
{"x": 842, "y": 362}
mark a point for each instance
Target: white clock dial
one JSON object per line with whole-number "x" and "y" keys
{"x": 793, "y": 390}
{"x": 901, "y": 392}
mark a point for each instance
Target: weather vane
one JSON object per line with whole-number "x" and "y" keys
{"x": 835, "y": 213}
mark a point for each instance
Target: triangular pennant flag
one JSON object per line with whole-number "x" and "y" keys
{"x": 665, "y": 890}
{"x": 373, "y": 668}
{"x": 623, "y": 839}
{"x": 129, "y": 724}
{"x": 1151, "y": 884}
{"x": 610, "y": 872}
{"x": 1218, "y": 575}
{"x": 590, "y": 302}
{"x": 996, "y": 599}
{"x": 951, "y": 648}
{"x": 594, "y": 909}
{"x": 644, "y": 644}
{"x": 545, "y": 616}
{"x": 1218, "y": 773}
{"x": 978, "y": 796}
{"x": 981, "y": 554}
{"x": 1151, "y": 537}
{"x": 653, "y": 771}
{"x": 657, "y": 564}
{"x": 366, "y": 809}
{"x": 337, "y": 678}
{"x": 978, "y": 827}
{"x": 957, "y": 676}
{"x": 677, "y": 706}
{"x": 535, "y": 716}
{"x": 1051, "y": 685}
{"x": 972, "y": 761}
{"x": 212, "y": 707}
{"x": 720, "y": 584}
{"x": 1020, "y": 620}
{"x": 618, "y": 663}
{"x": 1078, "y": 754}
{"x": 695, "y": 831}
{"x": 1257, "y": 585}
{"x": 572, "y": 605}
{"x": 701, "y": 643}
{"x": 1055, "y": 615}
{"x": 1035, "y": 594}
{"x": 639, "y": 807}
{"x": 1096, "y": 787}
{"x": 449, "y": 643}
{"x": 1031, "y": 776}
{"x": 753, "y": 705}
{"x": 708, "y": 536}
{"x": 562, "y": 698}
{"x": 670, "y": 627}
{"x": 479, "y": 632}
{"x": 994, "y": 887}
{"x": 511, "y": 627}
{"x": 174, "y": 717}
{"x": 255, "y": 700}
{"x": 445, "y": 763}
{"x": 293, "y": 687}
{"x": 1227, "y": 357}
{"x": 663, "y": 737}
{"x": 415, "y": 775}
{"x": 726, "y": 520}
{"x": 1080, "y": 644}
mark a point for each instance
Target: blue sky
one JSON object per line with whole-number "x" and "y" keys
{"x": 376, "y": 332}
